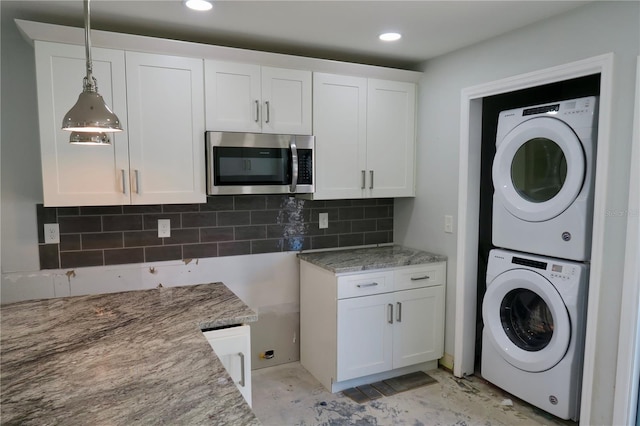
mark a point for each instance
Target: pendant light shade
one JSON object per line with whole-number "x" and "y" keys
{"x": 89, "y": 138}
{"x": 90, "y": 114}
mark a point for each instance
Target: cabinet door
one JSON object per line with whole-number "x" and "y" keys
{"x": 286, "y": 101}
{"x": 233, "y": 98}
{"x": 77, "y": 175}
{"x": 365, "y": 336}
{"x": 339, "y": 124}
{"x": 390, "y": 138}
{"x": 165, "y": 97}
{"x": 233, "y": 348}
{"x": 419, "y": 326}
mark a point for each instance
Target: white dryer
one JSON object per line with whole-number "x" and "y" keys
{"x": 534, "y": 313}
{"x": 543, "y": 174}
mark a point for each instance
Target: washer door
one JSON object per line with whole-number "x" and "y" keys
{"x": 526, "y": 320}
{"x": 539, "y": 169}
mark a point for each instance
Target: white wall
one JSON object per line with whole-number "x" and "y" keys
{"x": 19, "y": 151}
{"x": 589, "y": 31}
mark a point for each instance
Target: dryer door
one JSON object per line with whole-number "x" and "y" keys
{"x": 539, "y": 169}
{"x": 526, "y": 320}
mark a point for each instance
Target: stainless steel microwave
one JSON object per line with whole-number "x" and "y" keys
{"x": 259, "y": 163}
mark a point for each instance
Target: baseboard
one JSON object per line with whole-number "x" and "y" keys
{"x": 446, "y": 362}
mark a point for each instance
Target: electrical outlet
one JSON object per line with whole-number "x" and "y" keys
{"x": 448, "y": 224}
{"x": 323, "y": 219}
{"x": 164, "y": 228}
{"x": 51, "y": 233}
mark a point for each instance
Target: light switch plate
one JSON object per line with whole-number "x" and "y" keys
{"x": 323, "y": 219}
{"x": 164, "y": 228}
{"x": 51, "y": 233}
{"x": 448, "y": 224}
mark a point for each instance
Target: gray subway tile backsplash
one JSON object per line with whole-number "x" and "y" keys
{"x": 223, "y": 226}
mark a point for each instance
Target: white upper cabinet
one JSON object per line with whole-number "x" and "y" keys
{"x": 75, "y": 175}
{"x": 391, "y": 112}
{"x": 160, "y": 102}
{"x": 365, "y": 137}
{"x": 166, "y": 128}
{"x": 253, "y": 98}
{"x": 340, "y": 129}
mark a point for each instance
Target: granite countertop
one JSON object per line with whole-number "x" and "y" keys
{"x": 134, "y": 357}
{"x": 363, "y": 259}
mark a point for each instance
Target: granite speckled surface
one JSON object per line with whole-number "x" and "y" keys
{"x": 362, "y": 259}
{"x": 134, "y": 357}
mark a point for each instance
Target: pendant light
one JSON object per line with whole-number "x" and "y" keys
{"x": 89, "y": 138}
{"x": 90, "y": 117}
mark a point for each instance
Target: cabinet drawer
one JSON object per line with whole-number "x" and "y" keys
{"x": 365, "y": 284}
{"x": 420, "y": 276}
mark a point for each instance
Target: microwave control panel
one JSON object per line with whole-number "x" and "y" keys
{"x": 305, "y": 167}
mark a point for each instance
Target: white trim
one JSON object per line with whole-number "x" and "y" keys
{"x": 468, "y": 204}
{"x": 625, "y": 398}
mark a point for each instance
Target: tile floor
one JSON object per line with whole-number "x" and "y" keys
{"x": 288, "y": 395}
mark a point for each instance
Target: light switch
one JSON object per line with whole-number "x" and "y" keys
{"x": 448, "y": 224}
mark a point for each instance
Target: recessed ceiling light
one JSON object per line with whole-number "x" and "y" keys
{"x": 390, "y": 36}
{"x": 198, "y": 5}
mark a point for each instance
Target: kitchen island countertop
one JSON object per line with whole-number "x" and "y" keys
{"x": 364, "y": 259}
{"x": 135, "y": 357}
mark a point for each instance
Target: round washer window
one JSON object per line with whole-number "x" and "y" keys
{"x": 538, "y": 170}
{"x": 526, "y": 319}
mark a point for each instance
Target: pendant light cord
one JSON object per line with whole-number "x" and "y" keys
{"x": 90, "y": 83}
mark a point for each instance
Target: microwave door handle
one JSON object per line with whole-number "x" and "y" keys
{"x": 294, "y": 164}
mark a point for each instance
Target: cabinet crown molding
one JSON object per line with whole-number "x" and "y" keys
{"x": 31, "y": 31}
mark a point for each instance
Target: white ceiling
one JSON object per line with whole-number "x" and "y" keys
{"x": 341, "y": 30}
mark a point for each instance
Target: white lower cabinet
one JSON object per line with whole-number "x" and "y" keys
{"x": 365, "y": 337}
{"x": 233, "y": 348}
{"x": 363, "y": 327}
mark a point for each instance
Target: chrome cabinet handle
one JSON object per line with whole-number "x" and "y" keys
{"x": 367, "y": 285}
{"x": 399, "y": 313}
{"x": 390, "y": 319}
{"x": 241, "y": 382}
{"x": 137, "y": 174}
{"x": 371, "y": 176}
{"x": 363, "y": 179}
{"x": 257, "y": 110}
{"x": 124, "y": 186}
{"x": 424, "y": 277}
{"x": 267, "y": 105}
{"x": 294, "y": 163}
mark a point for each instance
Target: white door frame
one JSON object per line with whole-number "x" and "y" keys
{"x": 625, "y": 400}
{"x": 469, "y": 203}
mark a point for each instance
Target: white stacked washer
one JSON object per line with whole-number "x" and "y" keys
{"x": 543, "y": 174}
{"x": 534, "y": 314}
{"x": 534, "y": 309}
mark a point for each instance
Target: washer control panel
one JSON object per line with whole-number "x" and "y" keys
{"x": 562, "y": 272}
